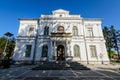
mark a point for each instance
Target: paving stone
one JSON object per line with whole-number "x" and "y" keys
{"x": 25, "y": 73}
{"x": 109, "y": 73}
{"x": 86, "y": 73}
{"x": 66, "y": 78}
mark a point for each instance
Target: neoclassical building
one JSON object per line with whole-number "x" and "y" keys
{"x": 61, "y": 36}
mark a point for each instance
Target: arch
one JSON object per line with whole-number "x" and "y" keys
{"x": 31, "y": 31}
{"x": 60, "y": 52}
{"x": 75, "y": 31}
{"x": 46, "y": 30}
{"x": 76, "y": 51}
{"x": 44, "y": 51}
{"x": 60, "y": 29}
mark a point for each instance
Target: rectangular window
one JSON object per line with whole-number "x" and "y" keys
{"x": 90, "y": 32}
{"x": 28, "y": 50}
{"x": 31, "y": 31}
{"x": 93, "y": 51}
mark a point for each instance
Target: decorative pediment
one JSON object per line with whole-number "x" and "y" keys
{"x": 60, "y": 11}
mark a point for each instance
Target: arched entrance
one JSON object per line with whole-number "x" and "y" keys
{"x": 60, "y": 52}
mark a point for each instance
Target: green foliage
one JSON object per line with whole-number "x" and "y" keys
{"x": 2, "y": 44}
{"x": 112, "y": 53}
{"x": 112, "y": 37}
{"x": 9, "y": 48}
{"x": 107, "y": 36}
{"x": 115, "y": 38}
{"x": 116, "y": 61}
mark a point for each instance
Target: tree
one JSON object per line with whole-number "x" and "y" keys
{"x": 2, "y": 45}
{"x": 107, "y": 37}
{"x": 112, "y": 53}
{"x": 9, "y": 46}
{"x": 112, "y": 37}
{"x": 115, "y": 36}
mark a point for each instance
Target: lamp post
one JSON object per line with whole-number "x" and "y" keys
{"x": 8, "y": 34}
{"x": 101, "y": 56}
{"x": 6, "y": 63}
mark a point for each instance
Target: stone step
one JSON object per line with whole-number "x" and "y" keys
{"x": 60, "y": 66}
{"x": 71, "y": 64}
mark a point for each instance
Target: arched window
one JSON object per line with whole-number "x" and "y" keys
{"x": 60, "y": 15}
{"x": 75, "y": 31}
{"x": 60, "y": 29}
{"x": 46, "y": 30}
{"x": 31, "y": 31}
{"x": 76, "y": 51}
{"x": 45, "y": 51}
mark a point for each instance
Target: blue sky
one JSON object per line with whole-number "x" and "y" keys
{"x": 11, "y": 10}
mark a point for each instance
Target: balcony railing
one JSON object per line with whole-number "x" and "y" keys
{"x": 61, "y": 34}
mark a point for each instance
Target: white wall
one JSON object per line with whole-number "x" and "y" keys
{"x": 19, "y": 52}
{"x": 25, "y": 25}
{"x": 82, "y": 41}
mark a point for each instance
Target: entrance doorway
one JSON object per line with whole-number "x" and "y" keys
{"x": 60, "y": 52}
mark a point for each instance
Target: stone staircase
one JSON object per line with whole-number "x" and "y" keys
{"x": 60, "y": 65}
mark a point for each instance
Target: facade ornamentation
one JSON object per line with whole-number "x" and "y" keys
{"x": 61, "y": 36}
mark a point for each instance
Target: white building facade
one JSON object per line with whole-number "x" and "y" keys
{"x": 61, "y": 37}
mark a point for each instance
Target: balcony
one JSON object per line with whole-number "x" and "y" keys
{"x": 61, "y": 34}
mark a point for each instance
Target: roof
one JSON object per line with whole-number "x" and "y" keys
{"x": 60, "y": 11}
{"x": 27, "y": 18}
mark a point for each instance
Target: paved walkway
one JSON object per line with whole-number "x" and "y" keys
{"x": 97, "y": 72}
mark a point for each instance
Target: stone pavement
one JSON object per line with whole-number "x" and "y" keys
{"x": 97, "y": 72}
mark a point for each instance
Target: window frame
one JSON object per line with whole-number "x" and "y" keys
{"x": 46, "y": 30}
{"x": 44, "y": 47}
{"x": 31, "y": 31}
{"x": 60, "y": 29}
{"x": 90, "y": 32}
{"x": 75, "y": 31}
{"x": 76, "y": 50}
{"x": 93, "y": 51}
{"x": 27, "y": 51}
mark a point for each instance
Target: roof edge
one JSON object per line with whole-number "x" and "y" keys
{"x": 96, "y": 19}
{"x": 28, "y": 18}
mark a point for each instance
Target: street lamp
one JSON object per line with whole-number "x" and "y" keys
{"x": 8, "y": 34}
{"x": 6, "y": 63}
{"x": 101, "y": 56}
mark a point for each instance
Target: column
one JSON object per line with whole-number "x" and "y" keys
{"x": 51, "y": 45}
{"x": 53, "y": 54}
{"x": 68, "y": 51}
{"x": 67, "y": 47}
{"x": 55, "y": 50}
